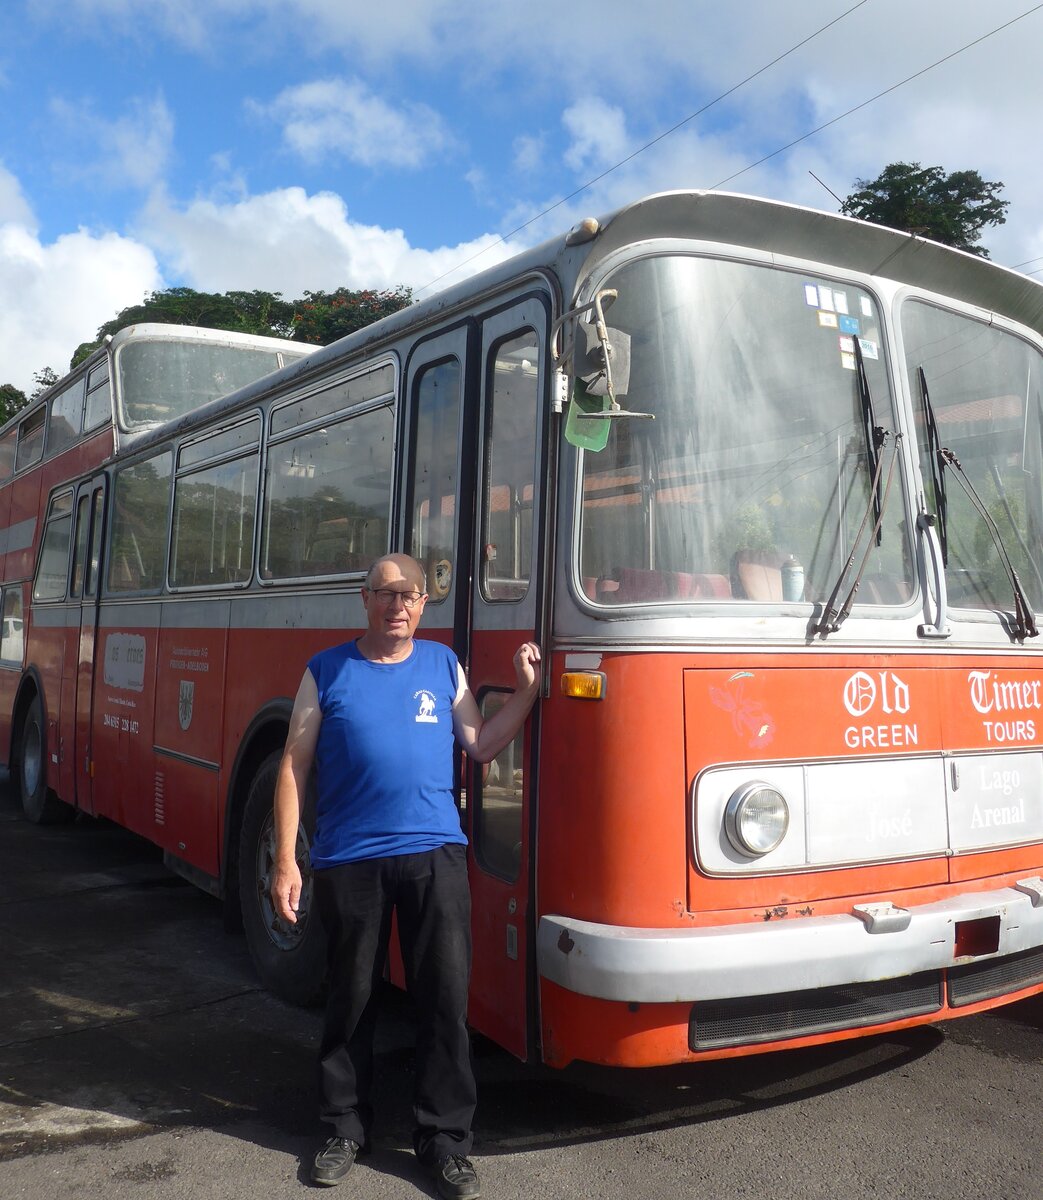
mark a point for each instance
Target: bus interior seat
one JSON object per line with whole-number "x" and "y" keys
{"x": 635, "y": 586}
{"x": 885, "y": 589}
{"x": 758, "y": 574}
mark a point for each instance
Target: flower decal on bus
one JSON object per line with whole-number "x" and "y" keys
{"x": 750, "y": 719}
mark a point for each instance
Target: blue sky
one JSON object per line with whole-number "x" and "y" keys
{"x": 293, "y": 144}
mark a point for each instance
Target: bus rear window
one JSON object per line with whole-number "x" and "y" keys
{"x": 163, "y": 380}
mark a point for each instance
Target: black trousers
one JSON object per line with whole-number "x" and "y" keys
{"x": 430, "y": 895}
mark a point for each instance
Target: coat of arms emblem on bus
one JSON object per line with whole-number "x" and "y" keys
{"x": 184, "y": 703}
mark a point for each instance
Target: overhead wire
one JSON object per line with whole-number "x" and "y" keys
{"x": 502, "y": 239}
{"x": 647, "y": 146}
{"x": 887, "y": 91}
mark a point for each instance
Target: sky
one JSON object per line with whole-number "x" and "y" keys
{"x": 288, "y": 145}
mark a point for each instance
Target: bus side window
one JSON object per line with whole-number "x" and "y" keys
{"x": 433, "y": 535}
{"x": 30, "y": 439}
{"x": 213, "y": 527}
{"x": 497, "y": 829}
{"x": 52, "y": 573}
{"x": 327, "y": 498}
{"x": 66, "y": 418}
{"x": 509, "y": 466}
{"x": 7, "y": 448}
{"x": 98, "y": 408}
{"x": 12, "y": 638}
{"x": 141, "y": 500}
{"x": 79, "y": 556}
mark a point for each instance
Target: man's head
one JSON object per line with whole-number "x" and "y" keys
{"x": 394, "y": 596}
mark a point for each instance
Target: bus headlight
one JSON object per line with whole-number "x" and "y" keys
{"x": 756, "y": 819}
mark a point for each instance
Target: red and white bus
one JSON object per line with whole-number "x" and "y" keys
{"x": 767, "y": 486}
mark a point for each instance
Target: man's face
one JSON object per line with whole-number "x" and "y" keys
{"x": 388, "y": 616}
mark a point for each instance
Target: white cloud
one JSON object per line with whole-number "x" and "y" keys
{"x": 528, "y": 152}
{"x": 344, "y": 118}
{"x": 14, "y": 208}
{"x": 54, "y": 296}
{"x": 598, "y": 132}
{"x": 131, "y": 149}
{"x": 288, "y": 241}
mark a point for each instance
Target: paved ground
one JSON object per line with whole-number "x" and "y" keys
{"x": 138, "y": 1058}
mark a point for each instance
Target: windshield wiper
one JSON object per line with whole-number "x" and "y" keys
{"x": 1024, "y": 622}
{"x": 875, "y": 436}
{"x": 934, "y": 451}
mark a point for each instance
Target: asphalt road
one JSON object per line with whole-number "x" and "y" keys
{"x": 139, "y": 1059}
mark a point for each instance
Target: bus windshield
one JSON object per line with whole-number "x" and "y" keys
{"x": 758, "y": 468}
{"x": 985, "y": 387}
{"x": 161, "y": 380}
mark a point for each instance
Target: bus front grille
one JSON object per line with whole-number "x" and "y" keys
{"x": 750, "y": 1019}
{"x": 995, "y": 977}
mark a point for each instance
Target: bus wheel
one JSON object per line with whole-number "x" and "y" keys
{"x": 39, "y": 803}
{"x": 290, "y": 959}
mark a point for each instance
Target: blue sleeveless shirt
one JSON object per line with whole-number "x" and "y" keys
{"x": 385, "y": 754}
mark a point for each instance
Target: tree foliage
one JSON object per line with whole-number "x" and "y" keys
{"x": 323, "y": 317}
{"x": 44, "y": 379}
{"x": 317, "y": 317}
{"x": 953, "y": 208}
{"x": 12, "y": 400}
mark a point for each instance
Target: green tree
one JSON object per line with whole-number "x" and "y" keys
{"x": 44, "y": 379}
{"x": 953, "y": 208}
{"x": 12, "y": 400}
{"x": 323, "y": 317}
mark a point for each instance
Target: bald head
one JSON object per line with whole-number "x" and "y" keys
{"x": 392, "y": 568}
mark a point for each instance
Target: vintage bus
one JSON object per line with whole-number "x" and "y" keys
{"x": 764, "y": 482}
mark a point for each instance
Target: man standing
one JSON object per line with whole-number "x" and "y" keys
{"x": 380, "y": 717}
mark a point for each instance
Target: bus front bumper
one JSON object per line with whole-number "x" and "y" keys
{"x": 873, "y": 942}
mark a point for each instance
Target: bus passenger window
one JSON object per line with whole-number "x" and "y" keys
{"x": 141, "y": 500}
{"x": 79, "y": 557}
{"x": 327, "y": 498}
{"x": 7, "y": 447}
{"x": 432, "y": 538}
{"x": 66, "y": 417}
{"x": 509, "y": 467}
{"x": 213, "y": 527}
{"x": 98, "y": 408}
{"x": 30, "y": 439}
{"x": 12, "y": 639}
{"x": 52, "y": 575}
{"x": 498, "y": 812}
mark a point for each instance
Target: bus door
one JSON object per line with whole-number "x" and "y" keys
{"x": 86, "y": 587}
{"x": 505, "y": 605}
{"x": 474, "y": 398}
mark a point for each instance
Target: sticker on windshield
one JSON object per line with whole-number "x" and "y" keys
{"x": 869, "y": 349}
{"x": 847, "y": 344}
{"x": 828, "y": 320}
{"x": 811, "y": 295}
{"x": 867, "y": 306}
{"x": 847, "y": 361}
{"x": 849, "y": 325}
{"x": 840, "y": 301}
{"x": 825, "y": 298}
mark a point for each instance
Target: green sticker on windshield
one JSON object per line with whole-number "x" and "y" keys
{"x": 581, "y": 430}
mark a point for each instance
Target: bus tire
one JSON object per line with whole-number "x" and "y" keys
{"x": 290, "y": 959}
{"x": 39, "y": 804}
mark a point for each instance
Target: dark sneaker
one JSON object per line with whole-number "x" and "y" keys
{"x": 334, "y": 1161}
{"x": 456, "y": 1178}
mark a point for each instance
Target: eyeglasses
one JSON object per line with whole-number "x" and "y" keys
{"x": 389, "y": 596}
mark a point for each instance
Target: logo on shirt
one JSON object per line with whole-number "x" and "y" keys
{"x": 426, "y": 707}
